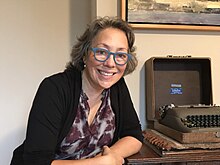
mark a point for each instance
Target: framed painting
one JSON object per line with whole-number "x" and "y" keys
{"x": 172, "y": 14}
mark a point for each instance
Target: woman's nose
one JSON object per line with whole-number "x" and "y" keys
{"x": 110, "y": 62}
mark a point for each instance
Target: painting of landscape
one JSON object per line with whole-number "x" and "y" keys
{"x": 178, "y": 12}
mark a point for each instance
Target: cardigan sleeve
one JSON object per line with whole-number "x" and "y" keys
{"x": 128, "y": 121}
{"x": 50, "y": 118}
{"x": 44, "y": 124}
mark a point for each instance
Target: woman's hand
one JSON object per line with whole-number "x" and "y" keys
{"x": 111, "y": 158}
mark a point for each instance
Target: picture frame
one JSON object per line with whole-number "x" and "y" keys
{"x": 148, "y": 14}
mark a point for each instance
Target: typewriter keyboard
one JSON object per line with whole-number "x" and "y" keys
{"x": 202, "y": 121}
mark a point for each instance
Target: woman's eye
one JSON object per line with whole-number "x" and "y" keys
{"x": 101, "y": 52}
{"x": 122, "y": 55}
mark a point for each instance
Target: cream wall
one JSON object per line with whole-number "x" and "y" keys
{"x": 36, "y": 39}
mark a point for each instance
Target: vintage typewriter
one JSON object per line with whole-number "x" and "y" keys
{"x": 190, "y": 118}
{"x": 185, "y": 82}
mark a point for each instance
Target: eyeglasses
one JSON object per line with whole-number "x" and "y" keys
{"x": 102, "y": 55}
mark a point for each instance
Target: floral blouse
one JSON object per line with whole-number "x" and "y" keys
{"x": 84, "y": 140}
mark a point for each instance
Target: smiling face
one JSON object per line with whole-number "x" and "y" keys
{"x": 102, "y": 75}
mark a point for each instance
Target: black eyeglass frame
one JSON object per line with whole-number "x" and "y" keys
{"x": 111, "y": 53}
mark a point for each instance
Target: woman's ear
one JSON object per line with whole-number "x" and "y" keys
{"x": 84, "y": 61}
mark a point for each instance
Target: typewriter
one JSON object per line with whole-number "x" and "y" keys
{"x": 190, "y": 118}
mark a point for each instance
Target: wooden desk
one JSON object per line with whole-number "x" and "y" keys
{"x": 149, "y": 157}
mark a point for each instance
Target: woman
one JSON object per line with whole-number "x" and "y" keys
{"x": 85, "y": 115}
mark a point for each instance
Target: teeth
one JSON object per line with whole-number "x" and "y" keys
{"x": 106, "y": 74}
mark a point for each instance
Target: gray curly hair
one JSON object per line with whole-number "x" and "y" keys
{"x": 81, "y": 48}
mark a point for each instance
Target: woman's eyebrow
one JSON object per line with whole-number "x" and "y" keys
{"x": 108, "y": 47}
{"x": 103, "y": 44}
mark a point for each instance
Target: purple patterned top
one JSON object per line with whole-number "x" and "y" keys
{"x": 84, "y": 140}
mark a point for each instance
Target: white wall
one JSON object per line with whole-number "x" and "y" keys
{"x": 161, "y": 43}
{"x": 36, "y": 39}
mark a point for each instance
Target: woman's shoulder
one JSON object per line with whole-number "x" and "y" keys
{"x": 66, "y": 75}
{"x": 121, "y": 82}
{"x": 66, "y": 79}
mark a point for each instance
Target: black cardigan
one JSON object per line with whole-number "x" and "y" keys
{"x": 53, "y": 112}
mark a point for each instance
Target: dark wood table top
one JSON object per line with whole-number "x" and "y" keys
{"x": 148, "y": 156}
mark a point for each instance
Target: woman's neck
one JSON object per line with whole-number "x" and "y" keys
{"x": 94, "y": 97}
{"x": 92, "y": 93}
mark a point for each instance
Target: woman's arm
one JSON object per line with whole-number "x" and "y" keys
{"x": 111, "y": 156}
{"x": 126, "y": 146}
{"x": 108, "y": 157}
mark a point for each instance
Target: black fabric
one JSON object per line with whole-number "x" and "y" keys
{"x": 53, "y": 112}
{"x": 18, "y": 156}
